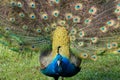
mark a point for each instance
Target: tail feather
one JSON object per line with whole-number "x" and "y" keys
{"x": 92, "y": 25}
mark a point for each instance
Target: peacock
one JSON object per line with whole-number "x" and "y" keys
{"x": 63, "y": 31}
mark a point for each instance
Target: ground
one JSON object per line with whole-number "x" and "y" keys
{"x": 16, "y": 66}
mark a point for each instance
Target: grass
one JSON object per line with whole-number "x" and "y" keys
{"x": 15, "y": 66}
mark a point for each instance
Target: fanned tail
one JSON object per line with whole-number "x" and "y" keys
{"x": 93, "y": 26}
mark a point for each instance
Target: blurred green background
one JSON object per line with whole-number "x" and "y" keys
{"x": 19, "y": 66}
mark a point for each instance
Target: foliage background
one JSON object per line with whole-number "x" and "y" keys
{"x": 18, "y": 66}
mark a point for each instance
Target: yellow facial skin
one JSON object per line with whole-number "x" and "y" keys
{"x": 60, "y": 38}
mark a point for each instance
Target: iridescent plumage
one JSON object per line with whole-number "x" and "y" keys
{"x": 82, "y": 28}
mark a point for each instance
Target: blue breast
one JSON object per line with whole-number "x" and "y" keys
{"x": 66, "y": 68}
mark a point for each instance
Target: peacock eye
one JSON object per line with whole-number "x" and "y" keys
{"x": 103, "y": 29}
{"x": 81, "y": 34}
{"x": 114, "y": 44}
{"x": 117, "y": 10}
{"x": 76, "y": 19}
{"x": 39, "y": 30}
{"x": 12, "y": 19}
{"x": 45, "y": 16}
{"x": 22, "y": 14}
{"x": 68, "y": 16}
{"x": 78, "y": 6}
{"x": 25, "y": 27}
{"x": 32, "y": 16}
{"x": 13, "y": 3}
{"x": 32, "y": 5}
{"x": 57, "y": 1}
{"x": 56, "y": 13}
{"x": 7, "y": 29}
{"x": 111, "y": 23}
{"x": 72, "y": 38}
{"x": 47, "y": 29}
{"x": 84, "y": 55}
{"x": 87, "y": 21}
{"x": 92, "y": 10}
{"x": 61, "y": 22}
{"x": 73, "y": 31}
{"x": 81, "y": 44}
{"x": 109, "y": 46}
{"x": 94, "y": 39}
{"x": 19, "y": 4}
{"x": 53, "y": 25}
{"x": 94, "y": 57}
